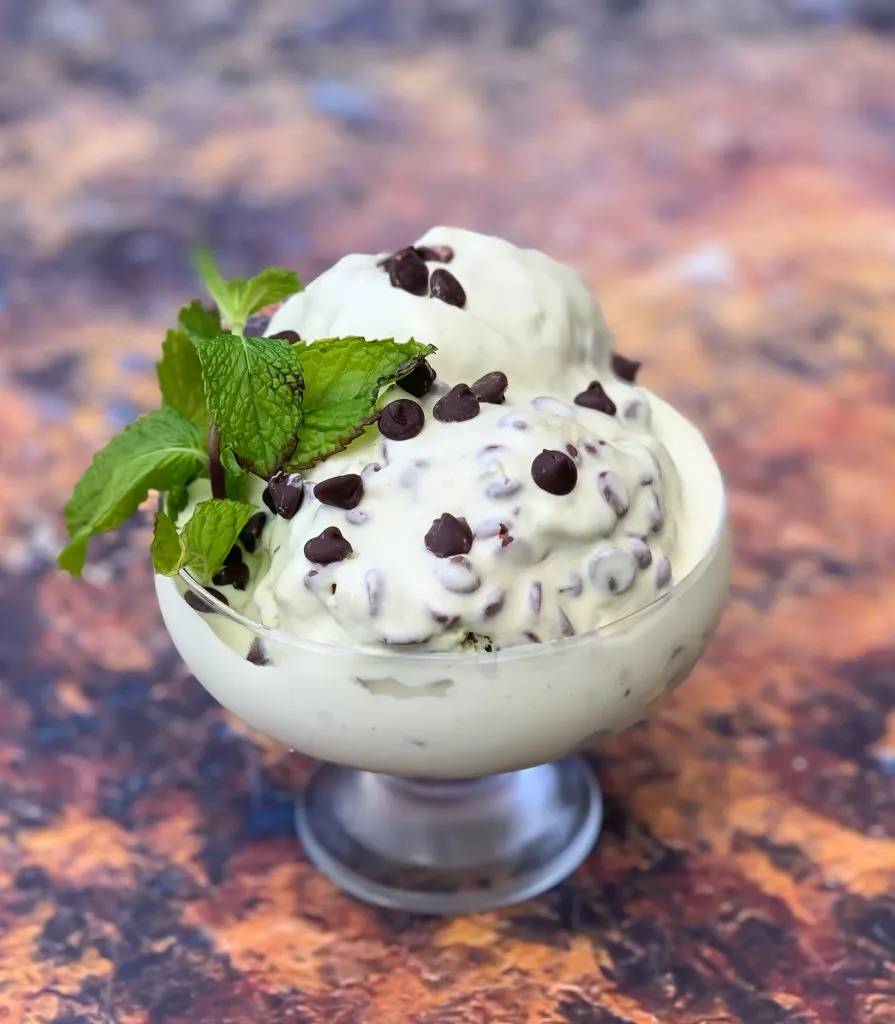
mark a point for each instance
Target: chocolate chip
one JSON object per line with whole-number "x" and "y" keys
{"x": 235, "y": 575}
{"x": 375, "y": 586}
{"x": 443, "y": 285}
{"x": 407, "y": 271}
{"x": 199, "y": 604}
{"x": 251, "y": 532}
{"x": 612, "y": 570}
{"x": 614, "y": 492}
{"x": 234, "y": 555}
{"x": 256, "y": 325}
{"x": 328, "y": 547}
{"x": 435, "y": 253}
{"x": 257, "y": 654}
{"x": 504, "y": 488}
{"x": 448, "y": 536}
{"x": 663, "y": 571}
{"x": 625, "y": 368}
{"x": 340, "y": 491}
{"x": 596, "y": 398}
{"x": 493, "y": 604}
{"x": 443, "y": 619}
{"x": 574, "y": 454}
{"x": 654, "y": 515}
{"x": 458, "y": 404}
{"x": 457, "y": 575}
{"x": 491, "y": 388}
{"x": 641, "y": 552}
{"x": 402, "y": 419}
{"x": 284, "y": 494}
{"x": 293, "y": 337}
{"x": 419, "y": 381}
{"x": 554, "y": 472}
{"x": 565, "y": 625}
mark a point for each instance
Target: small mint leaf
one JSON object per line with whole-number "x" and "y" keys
{"x": 167, "y": 549}
{"x": 343, "y": 380}
{"x": 254, "y": 388}
{"x": 180, "y": 378}
{"x": 237, "y": 298}
{"x": 159, "y": 451}
{"x": 211, "y": 531}
{"x": 197, "y": 320}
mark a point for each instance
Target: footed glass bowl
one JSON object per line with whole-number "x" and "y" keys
{"x": 449, "y": 783}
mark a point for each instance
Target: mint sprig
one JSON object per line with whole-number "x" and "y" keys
{"x": 205, "y": 540}
{"x": 273, "y": 406}
{"x": 160, "y": 450}
{"x": 343, "y": 380}
{"x": 237, "y": 298}
{"x": 254, "y": 389}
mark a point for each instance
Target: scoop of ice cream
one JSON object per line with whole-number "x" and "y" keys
{"x": 531, "y": 520}
{"x": 513, "y": 308}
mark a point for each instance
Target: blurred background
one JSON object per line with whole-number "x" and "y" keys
{"x": 723, "y": 175}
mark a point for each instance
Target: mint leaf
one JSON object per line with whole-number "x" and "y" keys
{"x": 253, "y": 387}
{"x": 180, "y": 378}
{"x": 343, "y": 380}
{"x": 167, "y": 549}
{"x": 205, "y": 540}
{"x": 160, "y": 450}
{"x": 237, "y": 299}
{"x": 197, "y": 321}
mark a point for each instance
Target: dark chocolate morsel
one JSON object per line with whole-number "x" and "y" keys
{"x": 435, "y": 253}
{"x": 199, "y": 604}
{"x": 293, "y": 337}
{"x": 419, "y": 381}
{"x": 234, "y": 555}
{"x": 448, "y": 536}
{"x": 401, "y": 420}
{"x": 251, "y": 532}
{"x": 458, "y": 404}
{"x": 340, "y": 491}
{"x": 491, "y": 388}
{"x": 284, "y": 494}
{"x": 235, "y": 575}
{"x": 554, "y": 472}
{"x": 257, "y": 654}
{"x": 329, "y": 546}
{"x": 596, "y": 398}
{"x": 625, "y": 368}
{"x": 407, "y": 271}
{"x": 443, "y": 285}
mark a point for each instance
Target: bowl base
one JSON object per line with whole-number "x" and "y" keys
{"x": 449, "y": 846}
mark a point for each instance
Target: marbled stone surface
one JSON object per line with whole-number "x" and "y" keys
{"x": 726, "y": 181}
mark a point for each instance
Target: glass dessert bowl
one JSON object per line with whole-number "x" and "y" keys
{"x": 452, "y": 782}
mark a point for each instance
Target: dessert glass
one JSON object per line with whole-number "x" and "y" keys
{"x": 450, "y": 782}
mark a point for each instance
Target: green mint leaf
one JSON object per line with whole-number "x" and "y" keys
{"x": 343, "y": 380}
{"x": 167, "y": 549}
{"x": 197, "y": 321}
{"x": 180, "y": 378}
{"x": 159, "y": 451}
{"x": 236, "y": 478}
{"x": 176, "y": 499}
{"x": 205, "y": 540}
{"x": 253, "y": 387}
{"x": 237, "y": 298}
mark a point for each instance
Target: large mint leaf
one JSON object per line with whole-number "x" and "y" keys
{"x": 253, "y": 387}
{"x": 343, "y": 380}
{"x": 160, "y": 450}
{"x": 203, "y": 544}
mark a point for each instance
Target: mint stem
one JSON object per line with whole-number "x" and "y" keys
{"x": 215, "y": 466}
